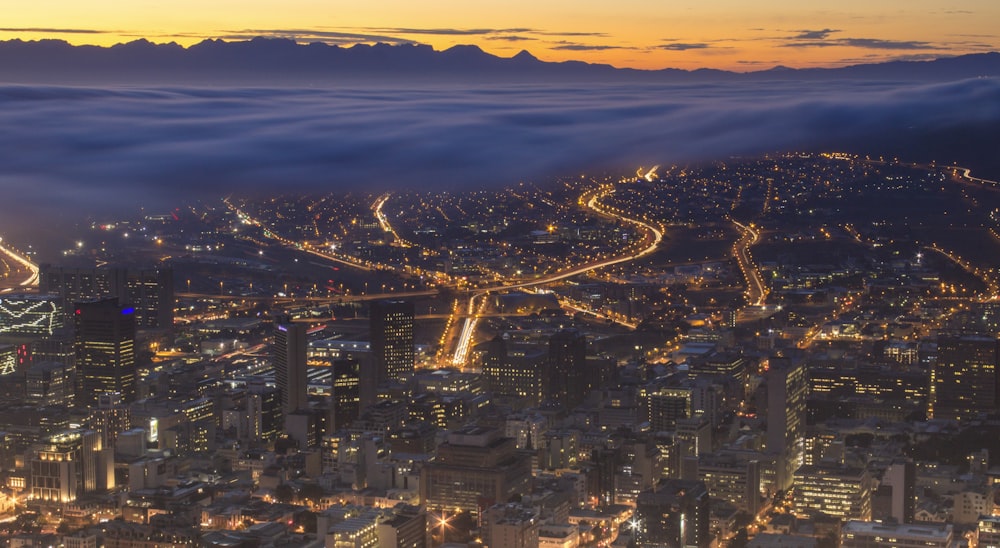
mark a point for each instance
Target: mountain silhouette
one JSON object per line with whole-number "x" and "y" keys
{"x": 277, "y": 61}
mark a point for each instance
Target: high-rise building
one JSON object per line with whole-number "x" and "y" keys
{"x": 105, "y": 351}
{"x": 70, "y": 464}
{"x": 290, "y": 366}
{"x": 49, "y": 383}
{"x": 391, "y": 325}
{"x": 835, "y": 490}
{"x": 567, "y": 385}
{"x": 345, "y": 394}
{"x": 511, "y": 525}
{"x": 674, "y": 513}
{"x": 475, "y": 469}
{"x": 787, "y": 389}
{"x": 964, "y": 380}
{"x": 733, "y": 477}
{"x": 900, "y": 479}
{"x": 149, "y": 291}
{"x": 515, "y": 378}
{"x": 666, "y": 406}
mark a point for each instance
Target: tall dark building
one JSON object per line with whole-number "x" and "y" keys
{"x": 345, "y": 394}
{"x": 149, "y": 291}
{"x": 290, "y": 366}
{"x": 567, "y": 384}
{"x": 674, "y": 513}
{"x": 964, "y": 379}
{"x": 787, "y": 390}
{"x": 105, "y": 351}
{"x": 392, "y": 339}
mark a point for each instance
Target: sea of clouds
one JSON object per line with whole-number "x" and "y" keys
{"x": 79, "y": 151}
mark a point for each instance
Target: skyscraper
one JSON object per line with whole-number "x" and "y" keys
{"x": 392, "y": 339}
{"x": 290, "y": 365}
{"x": 787, "y": 389}
{"x": 345, "y": 394}
{"x": 105, "y": 351}
{"x": 567, "y": 360}
{"x": 964, "y": 380}
{"x": 674, "y": 513}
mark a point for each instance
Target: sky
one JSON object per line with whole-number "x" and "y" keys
{"x": 650, "y": 34}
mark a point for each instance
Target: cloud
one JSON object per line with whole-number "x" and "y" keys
{"x": 814, "y": 34}
{"x": 446, "y": 31}
{"x": 574, "y": 46}
{"x": 314, "y": 35}
{"x": 684, "y": 46}
{"x": 511, "y": 38}
{"x": 82, "y": 150}
{"x": 864, "y": 43}
{"x": 48, "y": 30}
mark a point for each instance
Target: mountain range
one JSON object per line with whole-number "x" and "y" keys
{"x": 276, "y": 61}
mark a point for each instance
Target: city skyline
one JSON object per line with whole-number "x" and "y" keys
{"x": 728, "y": 35}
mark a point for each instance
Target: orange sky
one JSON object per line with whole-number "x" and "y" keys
{"x": 728, "y": 34}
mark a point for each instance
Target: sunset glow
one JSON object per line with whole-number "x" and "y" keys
{"x": 726, "y": 34}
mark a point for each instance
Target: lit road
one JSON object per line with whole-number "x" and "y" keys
{"x": 31, "y": 281}
{"x": 328, "y": 255}
{"x": 992, "y": 287}
{"x": 756, "y": 290}
{"x": 383, "y": 221}
{"x": 652, "y": 240}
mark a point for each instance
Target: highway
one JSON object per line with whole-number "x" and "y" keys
{"x": 654, "y": 236}
{"x": 31, "y": 280}
{"x": 756, "y": 290}
{"x": 347, "y": 261}
{"x": 383, "y": 221}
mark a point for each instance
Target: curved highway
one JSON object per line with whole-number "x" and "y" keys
{"x": 653, "y": 234}
{"x": 32, "y": 269}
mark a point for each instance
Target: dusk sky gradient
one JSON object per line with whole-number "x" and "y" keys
{"x": 652, "y": 34}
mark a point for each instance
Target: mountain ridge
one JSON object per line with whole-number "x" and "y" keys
{"x": 267, "y": 59}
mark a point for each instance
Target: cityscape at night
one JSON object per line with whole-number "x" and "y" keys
{"x": 682, "y": 276}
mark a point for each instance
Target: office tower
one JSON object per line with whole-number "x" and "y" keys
{"x": 964, "y": 380}
{"x": 110, "y": 418}
{"x": 149, "y": 291}
{"x": 105, "y": 351}
{"x": 667, "y": 405}
{"x": 786, "y": 415}
{"x": 475, "y": 469}
{"x": 733, "y": 477}
{"x": 290, "y": 366}
{"x": 407, "y": 528}
{"x": 38, "y": 315}
{"x": 49, "y": 383}
{"x": 77, "y": 284}
{"x": 70, "y": 464}
{"x": 392, "y": 339}
{"x": 263, "y": 411}
{"x": 673, "y": 513}
{"x": 567, "y": 385}
{"x": 901, "y": 479}
{"x": 345, "y": 394}
{"x": 988, "y": 532}
{"x": 511, "y": 525}
{"x": 514, "y": 377}
{"x": 835, "y": 490}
